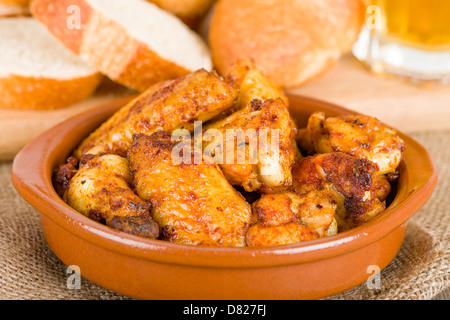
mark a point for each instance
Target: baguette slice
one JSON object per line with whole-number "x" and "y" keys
{"x": 14, "y": 7}
{"x": 36, "y": 71}
{"x": 133, "y": 42}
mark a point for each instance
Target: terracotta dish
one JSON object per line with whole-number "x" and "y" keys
{"x": 154, "y": 269}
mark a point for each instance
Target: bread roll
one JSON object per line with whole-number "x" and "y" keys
{"x": 14, "y": 7}
{"x": 133, "y": 42}
{"x": 291, "y": 41}
{"x": 36, "y": 71}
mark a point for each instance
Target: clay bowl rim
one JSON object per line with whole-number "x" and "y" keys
{"x": 33, "y": 166}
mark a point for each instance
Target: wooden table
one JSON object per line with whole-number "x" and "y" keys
{"x": 18, "y": 127}
{"x": 400, "y": 104}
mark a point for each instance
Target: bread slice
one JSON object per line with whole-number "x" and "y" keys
{"x": 36, "y": 71}
{"x": 14, "y": 7}
{"x": 133, "y": 42}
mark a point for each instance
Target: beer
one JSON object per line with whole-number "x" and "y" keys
{"x": 408, "y": 38}
{"x": 425, "y": 23}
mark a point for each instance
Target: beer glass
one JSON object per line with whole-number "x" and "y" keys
{"x": 408, "y": 38}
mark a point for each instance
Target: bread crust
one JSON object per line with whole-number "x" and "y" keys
{"x": 28, "y": 93}
{"x": 53, "y": 14}
{"x": 291, "y": 41}
{"x": 9, "y": 8}
{"x": 20, "y": 3}
{"x": 106, "y": 45}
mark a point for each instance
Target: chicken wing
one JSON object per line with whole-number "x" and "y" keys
{"x": 253, "y": 84}
{"x": 360, "y": 136}
{"x": 100, "y": 190}
{"x": 254, "y": 147}
{"x": 191, "y": 200}
{"x": 286, "y": 218}
{"x": 351, "y": 182}
{"x": 200, "y": 96}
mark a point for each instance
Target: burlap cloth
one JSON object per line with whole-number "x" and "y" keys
{"x": 30, "y": 270}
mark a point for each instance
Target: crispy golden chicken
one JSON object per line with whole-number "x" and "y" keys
{"x": 351, "y": 182}
{"x": 254, "y": 88}
{"x": 253, "y": 84}
{"x": 360, "y": 136}
{"x": 192, "y": 201}
{"x": 139, "y": 174}
{"x": 198, "y": 96}
{"x": 101, "y": 190}
{"x": 382, "y": 187}
{"x": 286, "y": 218}
{"x": 254, "y": 145}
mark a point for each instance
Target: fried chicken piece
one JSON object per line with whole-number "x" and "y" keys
{"x": 382, "y": 187}
{"x": 101, "y": 190}
{"x": 109, "y": 125}
{"x": 253, "y": 84}
{"x": 360, "y": 136}
{"x": 198, "y": 96}
{"x": 63, "y": 174}
{"x": 254, "y": 88}
{"x": 351, "y": 182}
{"x": 191, "y": 200}
{"x": 285, "y": 218}
{"x": 278, "y": 235}
{"x": 253, "y": 147}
